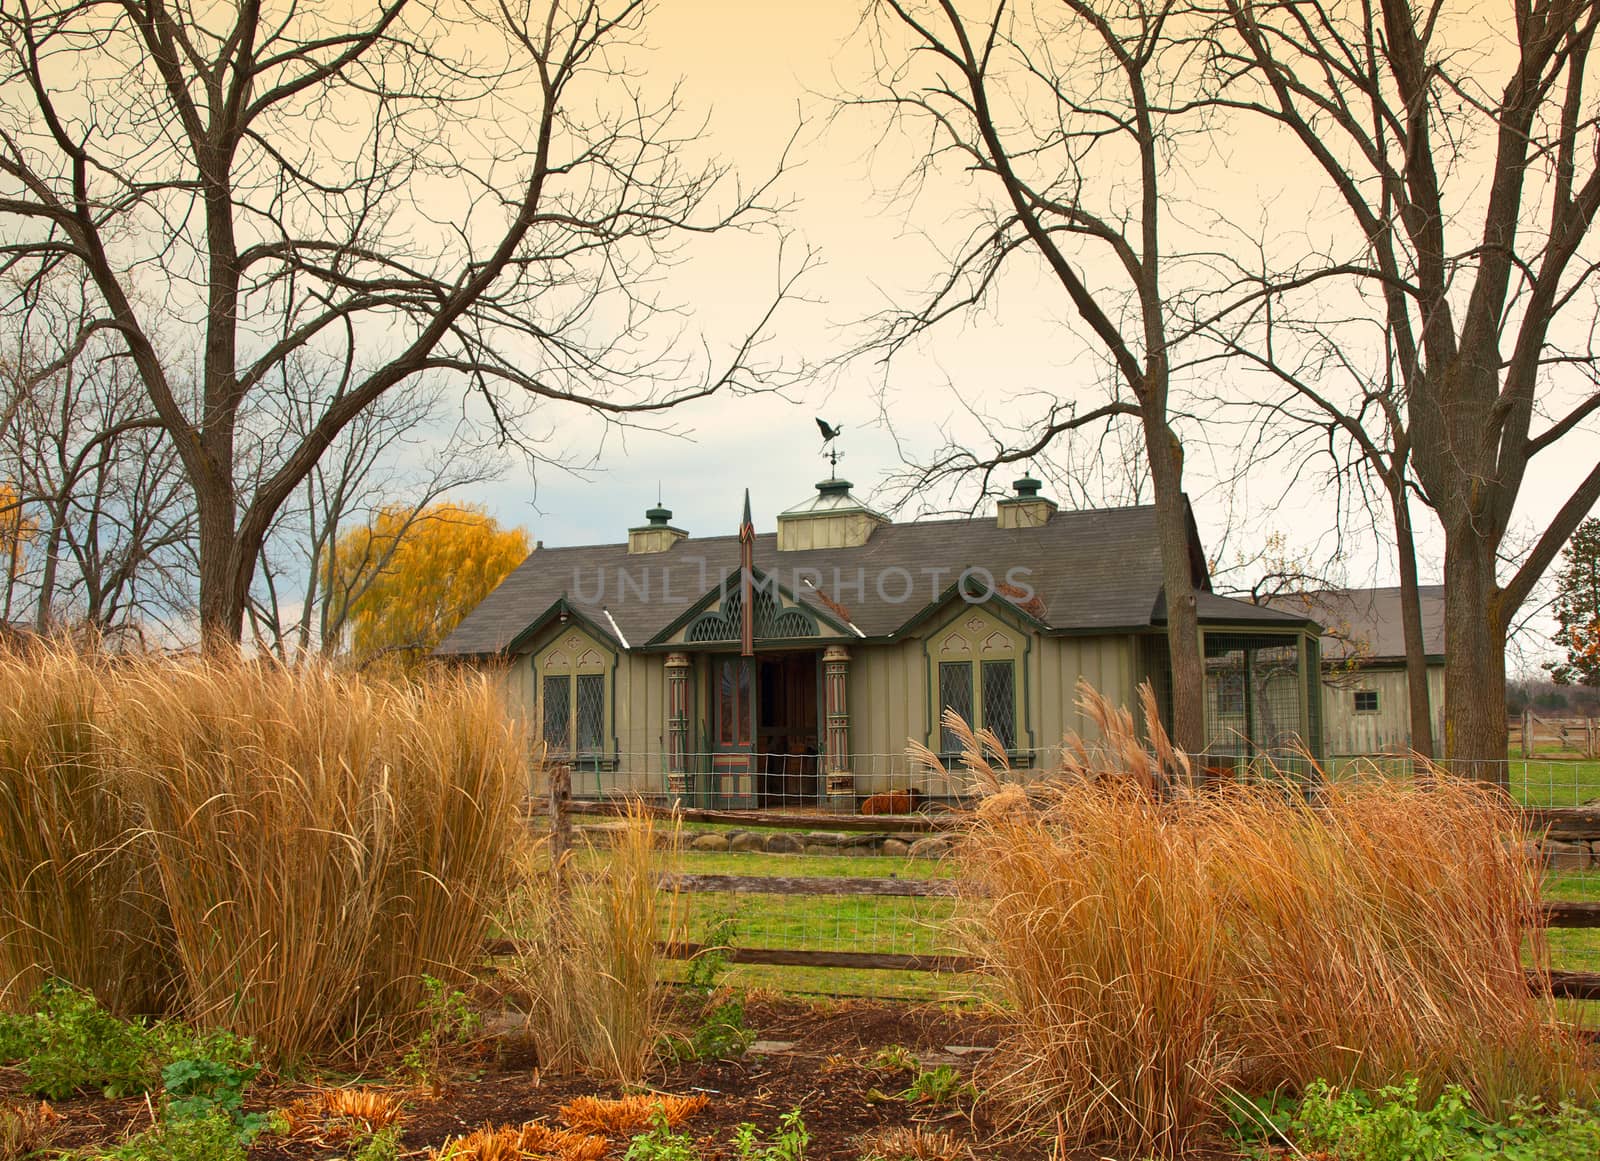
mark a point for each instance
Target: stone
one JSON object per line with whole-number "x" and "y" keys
{"x": 709, "y": 842}
{"x": 933, "y": 846}
{"x": 1561, "y": 856}
{"x": 894, "y": 846}
{"x": 746, "y": 840}
{"x": 783, "y": 843}
{"x": 820, "y": 849}
{"x": 826, "y": 838}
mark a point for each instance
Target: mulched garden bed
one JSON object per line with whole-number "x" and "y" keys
{"x": 824, "y": 1068}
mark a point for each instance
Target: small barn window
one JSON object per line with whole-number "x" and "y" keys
{"x": 1366, "y": 701}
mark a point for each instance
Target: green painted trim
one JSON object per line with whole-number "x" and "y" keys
{"x": 714, "y": 595}
{"x": 609, "y": 649}
{"x": 561, "y": 605}
{"x": 952, "y": 592}
{"x": 930, "y": 681}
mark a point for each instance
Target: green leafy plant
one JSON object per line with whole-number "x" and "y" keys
{"x": 198, "y": 1086}
{"x": 383, "y": 1145}
{"x": 938, "y": 1086}
{"x": 211, "y": 1136}
{"x": 71, "y": 1043}
{"x": 705, "y": 971}
{"x": 1395, "y": 1124}
{"x": 449, "y": 1023}
{"x": 660, "y": 1143}
{"x": 789, "y": 1144}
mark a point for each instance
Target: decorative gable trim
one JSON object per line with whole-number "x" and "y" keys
{"x": 779, "y": 616}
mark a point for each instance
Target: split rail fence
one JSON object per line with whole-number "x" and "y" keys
{"x": 1580, "y": 735}
{"x": 1565, "y": 824}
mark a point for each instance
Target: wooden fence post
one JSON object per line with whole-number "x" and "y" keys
{"x": 560, "y": 826}
{"x": 1527, "y": 731}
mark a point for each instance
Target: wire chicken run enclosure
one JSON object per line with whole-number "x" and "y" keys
{"x": 1263, "y": 699}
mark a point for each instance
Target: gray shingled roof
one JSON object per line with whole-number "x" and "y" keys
{"x": 1094, "y": 570}
{"x": 1368, "y": 620}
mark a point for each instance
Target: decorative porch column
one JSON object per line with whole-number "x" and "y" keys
{"x": 840, "y": 782}
{"x": 678, "y": 779}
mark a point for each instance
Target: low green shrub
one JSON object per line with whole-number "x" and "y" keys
{"x": 70, "y": 1043}
{"x": 383, "y": 1145}
{"x": 449, "y": 1022}
{"x": 211, "y": 1136}
{"x": 938, "y": 1086}
{"x": 1394, "y": 1124}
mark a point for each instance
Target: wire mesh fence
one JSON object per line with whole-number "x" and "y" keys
{"x": 892, "y": 783}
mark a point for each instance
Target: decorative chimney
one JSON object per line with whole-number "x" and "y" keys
{"x": 1026, "y": 509}
{"x": 656, "y": 536}
{"x": 833, "y": 518}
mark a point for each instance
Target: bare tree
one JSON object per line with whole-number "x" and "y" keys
{"x": 404, "y": 188}
{"x": 1338, "y": 405}
{"x": 100, "y": 485}
{"x": 1471, "y": 210}
{"x": 393, "y": 455}
{"x": 1070, "y": 112}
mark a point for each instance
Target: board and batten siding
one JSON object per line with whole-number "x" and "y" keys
{"x": 1349, "y": 733}
{"x": 888, "y": 697}
{"x": 1107, "y": 663}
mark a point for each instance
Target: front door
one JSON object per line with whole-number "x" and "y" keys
{"x": 733, "y": 733}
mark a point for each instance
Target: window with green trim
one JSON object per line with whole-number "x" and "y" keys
{"x": 574, "y": 696}
{"x": 977, "y": 678}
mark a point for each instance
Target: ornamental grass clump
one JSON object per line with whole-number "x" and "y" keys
{"x": 589, "y": 959}
{"x": 1156, "y": 948}
{"x": 283, "y": 853}
{"x": 322, "y": 840}
{"x": 78, "y": 897}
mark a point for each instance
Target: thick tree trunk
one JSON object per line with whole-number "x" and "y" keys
{"x": 1411, "y": 622}
{"x": 1475, "y": 674}
{"x": 1183, "y": 622}
{"x": 222, "y": 598}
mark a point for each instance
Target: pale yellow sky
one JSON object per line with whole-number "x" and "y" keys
{"x": 753, "y": 68}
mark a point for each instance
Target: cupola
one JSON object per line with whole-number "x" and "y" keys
{"x": 1025, "y": 509}
{"x": 833, "y": 518}
{"x": 656, "y": 536}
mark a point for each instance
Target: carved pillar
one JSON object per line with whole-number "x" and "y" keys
{"x": 836, "y": 722}
{"x": 678, "y": 777}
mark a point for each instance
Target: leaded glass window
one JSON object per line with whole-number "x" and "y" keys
{"x": 591, "y": 716}
{"x": 1000, "y": 701}
{"x": 557, "y": 711}
{"x": 955, "y": 693}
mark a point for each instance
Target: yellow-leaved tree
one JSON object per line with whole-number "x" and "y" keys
{"x": 398, "y": 584}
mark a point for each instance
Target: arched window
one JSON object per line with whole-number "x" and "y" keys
{"x": 976, "y": 665}
{"x": 574, "y": 696}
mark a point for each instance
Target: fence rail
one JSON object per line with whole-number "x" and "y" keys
{"x": 1565, "y": 824}
{"x": 1580, "y": 735}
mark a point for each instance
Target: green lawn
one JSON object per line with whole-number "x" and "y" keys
{"x": 1554, "y": 781}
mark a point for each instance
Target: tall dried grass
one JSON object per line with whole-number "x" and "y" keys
{"x": 314, "y": 841}
{"x": 1156, "y": 948}
{"x": 589, "y": 962}
{"x": 78, "y": 898}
